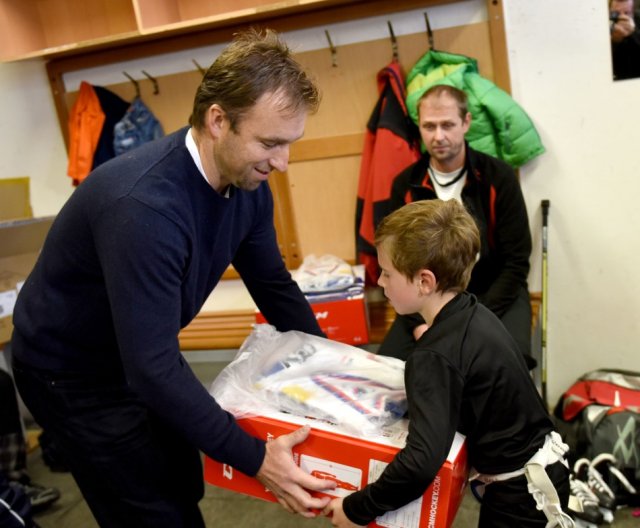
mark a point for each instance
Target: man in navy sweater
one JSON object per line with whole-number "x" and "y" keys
{"x": 129, "y": 261}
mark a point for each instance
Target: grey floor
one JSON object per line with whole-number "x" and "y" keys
{"x": 220, "y": 508}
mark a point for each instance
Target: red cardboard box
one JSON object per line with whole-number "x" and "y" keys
{"x": 353, "y": 462}
{"x": 342, "y": 316}
{"x": 345, "y": 321}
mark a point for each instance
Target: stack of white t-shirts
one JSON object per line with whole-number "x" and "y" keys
{"x": 312, "y": 377}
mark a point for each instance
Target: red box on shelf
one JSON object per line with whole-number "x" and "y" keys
{"x": 342, "y": 316}
{"x": 345, "y": 321}
{"x": 353, "y": 462}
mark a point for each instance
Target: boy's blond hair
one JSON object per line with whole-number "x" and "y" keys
{"x": 435, "y": 235}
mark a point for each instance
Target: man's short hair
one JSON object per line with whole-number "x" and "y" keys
{"x": 439, "y": 89}
{"x": 255, "y": 63}
{"x": 432, "y": 234}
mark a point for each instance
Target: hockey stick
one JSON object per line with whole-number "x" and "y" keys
{"x": 545, "y": 292}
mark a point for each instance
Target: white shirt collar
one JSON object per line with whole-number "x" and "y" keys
{"x": 193, "y": 150}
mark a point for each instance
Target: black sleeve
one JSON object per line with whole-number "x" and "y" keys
{"x": 434, "y": 393}
{"x": 143, "y": 255}
{"x": 513, "y": 242}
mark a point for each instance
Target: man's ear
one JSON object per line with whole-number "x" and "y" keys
{"x": 466, "y": 122}
{"x": 216, "y": 120}
{"x": 426, "y": 281}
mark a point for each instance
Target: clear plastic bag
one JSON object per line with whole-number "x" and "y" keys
{"x": 312, "y": 377}
{"x": 327, "y": 273}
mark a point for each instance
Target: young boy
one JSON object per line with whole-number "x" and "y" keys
{"x": 465, "y": 374}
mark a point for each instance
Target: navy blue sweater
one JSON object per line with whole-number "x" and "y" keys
{"x": 129, "y": 261}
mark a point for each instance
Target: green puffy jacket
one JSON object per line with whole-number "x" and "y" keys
{"x": 499, "y": 126}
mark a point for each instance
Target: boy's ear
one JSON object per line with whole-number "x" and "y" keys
{"x": 426, "y": 281}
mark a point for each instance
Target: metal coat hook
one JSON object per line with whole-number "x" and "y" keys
{"x": 394, "y": 42}
{"x": 156, "y": 89}
{"x": 135, "y": 83}
{"x": 334, "y": 53}
{"x": 200, "y": 68}
{"x": 429, "y": 31}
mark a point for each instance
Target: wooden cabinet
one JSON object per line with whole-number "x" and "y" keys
{"x": 43, "y": 27}
{"x": 55, "y": 28}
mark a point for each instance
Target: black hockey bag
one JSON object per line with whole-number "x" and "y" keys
{"x": 600, "y": 414}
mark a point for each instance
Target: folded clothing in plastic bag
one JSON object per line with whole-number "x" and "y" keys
{"x": 310, "y": 376}
{"x": 327, "y": 273}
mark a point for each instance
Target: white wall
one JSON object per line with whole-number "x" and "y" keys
{"x": 31, "y": 143}
{"x": 561, "y": 74}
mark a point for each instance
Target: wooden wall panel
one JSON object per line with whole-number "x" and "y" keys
{"x": 323, "y": 197}
{"x": 101, "y": 18}
{"x": 152, "y": 13}
{"x": 349, "y": 90}
{"x": 21, "y": 28}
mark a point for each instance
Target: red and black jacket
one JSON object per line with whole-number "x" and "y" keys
{"x": 391, "y": 144}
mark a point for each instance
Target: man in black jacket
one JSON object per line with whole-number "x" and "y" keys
{"x": 489, "y": 188}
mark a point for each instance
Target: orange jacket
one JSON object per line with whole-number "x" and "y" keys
{"x": 85, "y": 125}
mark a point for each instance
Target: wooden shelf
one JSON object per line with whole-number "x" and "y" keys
{"x": 63, "y": 28}
{"x": 33, "y": 29}
{"x": 155, "y": 16}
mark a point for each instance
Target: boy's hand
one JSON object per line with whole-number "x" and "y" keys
{"x": 280, "y": 474}
{"x": 339, "y": 519}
